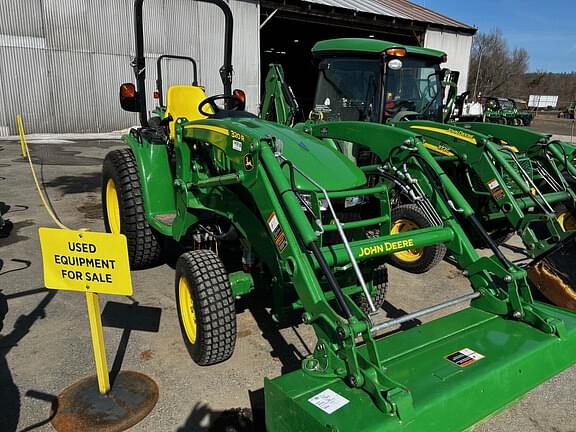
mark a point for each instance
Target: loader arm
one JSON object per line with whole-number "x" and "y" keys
{"x": 279, "y": 103}
{"x": 496, "y": 176}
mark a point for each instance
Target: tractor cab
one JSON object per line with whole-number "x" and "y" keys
{"x": 378, "y": 81}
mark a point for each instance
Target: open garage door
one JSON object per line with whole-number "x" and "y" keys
{"x": 289, "y": 31}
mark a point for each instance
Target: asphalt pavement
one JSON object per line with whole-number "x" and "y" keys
{"x": 45, "y": 343}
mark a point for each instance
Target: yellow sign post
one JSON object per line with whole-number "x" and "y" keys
{"x": 92, "y": 263}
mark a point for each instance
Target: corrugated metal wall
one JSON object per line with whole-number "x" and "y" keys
{"x": 457, "y": 46}
{"x": 61, "y": 61}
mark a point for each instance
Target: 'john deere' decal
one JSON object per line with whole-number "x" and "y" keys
{"x": 386, "y": 247}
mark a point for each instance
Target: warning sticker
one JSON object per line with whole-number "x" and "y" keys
{"x": 276, "y": 230}
{"x": 495, "y": 189}
{"x": 464, "y": 357}
{"x": 328, "y": 401}
{"x": 237, "y": 145}
{"x": 281, "y": 242}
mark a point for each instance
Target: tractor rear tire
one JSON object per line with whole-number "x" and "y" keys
{"x": 206, "y": 309}
{"x": 407, "y": 217}
{"x": 123, "y": 208}
{"x": 380, "y": 284}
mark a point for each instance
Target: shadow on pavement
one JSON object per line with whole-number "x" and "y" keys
{"x": 25, "y": 265}
{"x": 14, "y": 237}
{"x": 287, "y": 353}
{"x": 128, "y": 317}
{"x": 205, "y": 419}
{"x": 9, "y": 393}
{"x": 394, "y": 312}
{"x": 51, "y": 399}
{"x": 73, "y": 184}
{"x": 58, "y": 154}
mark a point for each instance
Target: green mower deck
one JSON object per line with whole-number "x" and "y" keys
{"x": 446, "y": 397}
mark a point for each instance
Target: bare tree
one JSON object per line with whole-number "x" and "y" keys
{"x": 494, "y": 69}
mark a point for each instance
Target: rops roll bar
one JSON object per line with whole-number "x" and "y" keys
{"x": 139, "y": 63}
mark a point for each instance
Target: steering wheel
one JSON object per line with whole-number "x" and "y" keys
{"x": 393, "y": 108}
{"x": 236, "y": 104}
{"x": 403, "y": 116}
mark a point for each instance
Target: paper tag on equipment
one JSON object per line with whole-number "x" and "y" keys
{"x": 464, "y": 357}
{"x": 328, "y": 401}
{"x": 85, "y": 261}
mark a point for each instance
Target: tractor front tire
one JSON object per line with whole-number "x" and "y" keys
{"x": 380, "y": 288}
{"x": 206, "y": 309}
{"x": 408, "y": 217}
{"x": 123, "y": 208}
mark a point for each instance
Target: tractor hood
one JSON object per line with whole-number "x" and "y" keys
{"x": 321, "y": 161}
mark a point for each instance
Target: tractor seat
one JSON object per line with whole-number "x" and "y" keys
{"x": 183, "y": 101}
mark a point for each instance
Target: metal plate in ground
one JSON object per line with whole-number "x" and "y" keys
{"x": 81, "y": 407}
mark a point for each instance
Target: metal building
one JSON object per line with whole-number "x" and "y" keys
{"x": 61, "y": 61}
{"x": 291, "y": 27}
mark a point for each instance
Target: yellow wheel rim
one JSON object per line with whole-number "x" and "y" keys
{"x": 409, "y": 255}
{"x": 567, "y": 221}
{"x": 187, "y": 313}
{"x": 112, "y": 207}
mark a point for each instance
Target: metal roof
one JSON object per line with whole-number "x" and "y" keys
{"x": 402, "y": 9}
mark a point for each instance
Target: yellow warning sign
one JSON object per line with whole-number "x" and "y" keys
{"x": 85, "y": 261}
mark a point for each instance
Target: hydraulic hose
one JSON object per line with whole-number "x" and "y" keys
{"x": 334, "y": 285}
{"x": 489, "y": 242}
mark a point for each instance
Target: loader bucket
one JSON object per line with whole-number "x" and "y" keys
{"x": 459, "y": 370}
{"x": 554, "y": 274}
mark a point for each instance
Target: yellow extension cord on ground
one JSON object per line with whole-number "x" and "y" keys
{"x": 26, "y": 153}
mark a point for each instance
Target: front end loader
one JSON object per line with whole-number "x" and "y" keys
{"x": 257, "y": 206}
{"x": 518, "y": 181}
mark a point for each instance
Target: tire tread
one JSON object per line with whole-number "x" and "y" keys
{"x": 144, "y": 249}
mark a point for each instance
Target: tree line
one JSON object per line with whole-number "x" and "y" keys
{"x": 496, "y": 70}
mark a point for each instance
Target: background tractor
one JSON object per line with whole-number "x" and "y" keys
{"x": 568, "y": 113}
{"x": 505, "y": 111}
{"x": 257, "y": 206}
{"x": 516, "y": 180}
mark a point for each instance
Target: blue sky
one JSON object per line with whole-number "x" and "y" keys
{"x": 545, "y": 28}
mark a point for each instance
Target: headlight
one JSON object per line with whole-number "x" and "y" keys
{"x": 354, "y": 201}
{"x": 348, "y": 202}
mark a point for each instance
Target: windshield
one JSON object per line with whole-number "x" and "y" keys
{"x": 413, "y": 84}
{"x": 348, "y": 89}
{"x": 506, "y": 104}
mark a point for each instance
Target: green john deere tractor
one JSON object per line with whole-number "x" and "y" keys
{"x": 568, "y": 113}
{"x": 505, "y": 111}
{"x": 515, "y": 179}
{"x": 261, "y": 207}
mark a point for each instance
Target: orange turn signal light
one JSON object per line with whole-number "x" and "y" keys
{"x": 397, "y": 52}
{"x": 240, "y": 95}
{"x": 127, "y": 90}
